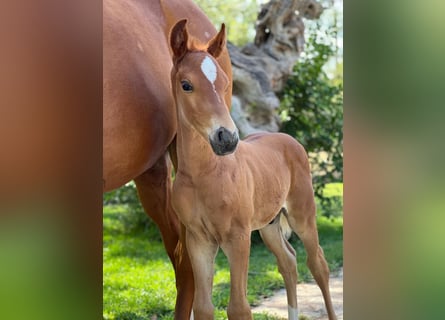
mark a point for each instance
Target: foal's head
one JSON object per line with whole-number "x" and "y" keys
{"x": 199, "y": 85}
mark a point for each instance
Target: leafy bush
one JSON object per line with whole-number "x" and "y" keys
{"x": 312, "y": 111}
{"x": 127, "y": 195}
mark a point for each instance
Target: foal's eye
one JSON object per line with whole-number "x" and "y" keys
{"x": 186, "y": 86}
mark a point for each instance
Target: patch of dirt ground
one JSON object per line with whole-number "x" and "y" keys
{"x": 310, "y": 300}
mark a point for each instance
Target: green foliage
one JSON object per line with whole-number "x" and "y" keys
{"x": 239, "y": 17}
{"x": 331, "y": 205}
{"x": 312, "y": 111}
{"x": 126, "y": 194}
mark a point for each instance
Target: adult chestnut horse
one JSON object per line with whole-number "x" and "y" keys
{"x": 139, "y": 119}
{"x": 225, "y": 188}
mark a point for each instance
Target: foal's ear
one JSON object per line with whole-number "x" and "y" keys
{"x": 178, "y": 40}
{"x": 217, "y": 44}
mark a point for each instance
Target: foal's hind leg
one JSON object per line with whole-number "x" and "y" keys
{"x": 287, "y": 264}
{"x": 154, "y": 189}
{"x": 301, "y": 217}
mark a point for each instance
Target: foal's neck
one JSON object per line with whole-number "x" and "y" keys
{"x": 195, "y": 155}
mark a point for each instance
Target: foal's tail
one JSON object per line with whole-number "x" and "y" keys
{"x": 286, "y": 230}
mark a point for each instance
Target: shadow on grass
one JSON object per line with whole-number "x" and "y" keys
{"x": 153, "y": 314}
{"x": 129, "y": 316}
{"x": 142, "y": 244}
{"x": 123, "y": 219}
{"x": 138, "y": 248}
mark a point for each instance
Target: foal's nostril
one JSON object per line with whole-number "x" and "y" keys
{"x": 220, "y": 134}
{"x": 224, "y": 141}
{"x": 225, "y": 137}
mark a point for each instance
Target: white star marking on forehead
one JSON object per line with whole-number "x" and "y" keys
{"x": 208, "y": 67}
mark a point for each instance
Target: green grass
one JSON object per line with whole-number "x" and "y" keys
{"x": 138, "y": 279}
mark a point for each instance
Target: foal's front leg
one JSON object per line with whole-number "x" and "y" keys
{"x": 202, "y": 251}
{"x": 237, "y": 250}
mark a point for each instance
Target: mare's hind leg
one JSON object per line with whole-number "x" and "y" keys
{"x": 301, "y": 217}
{"x": 154, "y": 189}
{"x": 272, "y": 236}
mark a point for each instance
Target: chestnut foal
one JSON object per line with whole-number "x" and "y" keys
{"x": 226, "y": 188}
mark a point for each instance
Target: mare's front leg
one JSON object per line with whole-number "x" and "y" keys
{"x": 237, "y": 250}
{"x": 202, "y": 251}
{"x": 154, "y": 189}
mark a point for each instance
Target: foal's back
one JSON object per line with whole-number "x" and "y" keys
{"x": 274, "y": 154}
{"x": 277, "y": 167}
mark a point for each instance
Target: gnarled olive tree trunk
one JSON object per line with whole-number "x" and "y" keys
{"x": 260, "y": 69}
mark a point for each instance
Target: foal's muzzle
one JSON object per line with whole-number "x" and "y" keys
{"x": 223, "y": 141}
